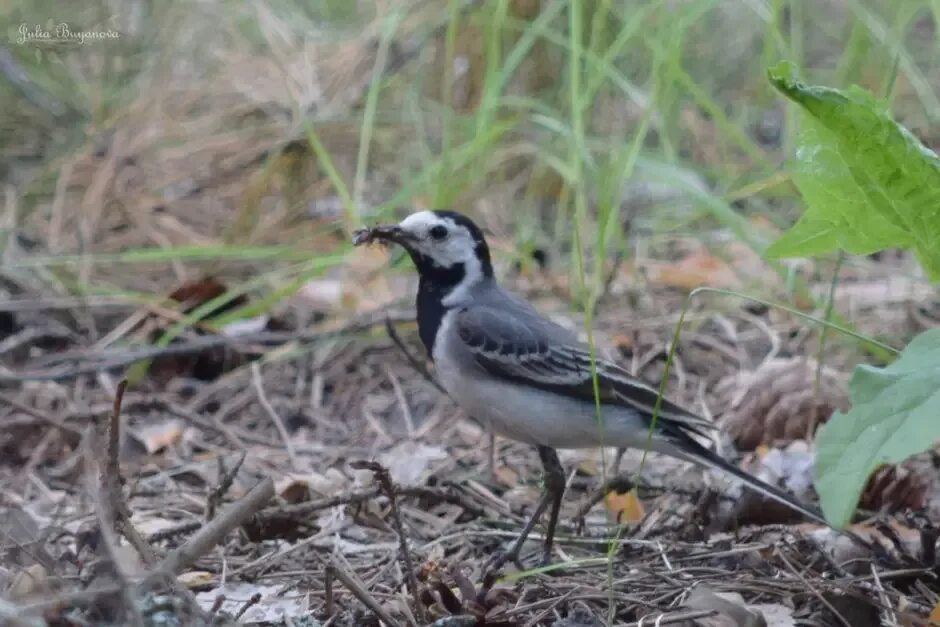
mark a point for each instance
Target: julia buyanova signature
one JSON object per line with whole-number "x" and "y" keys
{"x": 62, "y": 33}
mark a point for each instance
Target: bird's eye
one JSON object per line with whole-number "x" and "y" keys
{"x": 438, "y": 232}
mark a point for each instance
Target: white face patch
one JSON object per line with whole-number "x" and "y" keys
{"x": 456, "y": 247}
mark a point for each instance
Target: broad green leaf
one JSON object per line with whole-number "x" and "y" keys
{"x": 895, "y": 414}
{"x": 868, "y": 183}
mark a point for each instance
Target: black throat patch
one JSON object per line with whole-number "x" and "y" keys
{"x": 437, "y": 282}
{"x": 434, "y": 286}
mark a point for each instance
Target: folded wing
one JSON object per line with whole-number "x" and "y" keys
{"x": 518, "y": 347}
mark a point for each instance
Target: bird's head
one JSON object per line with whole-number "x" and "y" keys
{"x": 445, "y": 245}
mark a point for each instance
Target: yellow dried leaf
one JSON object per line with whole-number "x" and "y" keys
{"x": 196, "y": 578}
{"x": 624, "y": 507}
{"x": 934, "y": 617}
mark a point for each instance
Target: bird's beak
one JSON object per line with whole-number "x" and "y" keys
{"x": 389, "y": 233}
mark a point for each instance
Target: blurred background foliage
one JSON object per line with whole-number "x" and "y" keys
{"x": 247, "y": 139}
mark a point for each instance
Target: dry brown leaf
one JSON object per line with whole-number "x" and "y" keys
{"x": 159, "y": 436}
{"x": 624, "y": 507}
{"x": 293, "y": 490}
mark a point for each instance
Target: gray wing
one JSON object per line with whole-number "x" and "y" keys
{"x": 521, "y": 347}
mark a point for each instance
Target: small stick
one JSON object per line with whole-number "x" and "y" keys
{"x": 217, "y": 604}
{"x": 303, "y": 510}
{"x": 385, "y": 480}
{"x": 275, "y": 418}
{"x": 212, "y": 533}
{"x": 107, "y": 522}
{"x": 254, "y": 600}
{"x": 111, "y": 484}
{"x": 328, "y": 590}
{"x": 668, "y": 619}
{"x": 35, "y": 413}
{"x": 226, "y": 478}
{"x": 811, "y": 587}
{"x": 361, "y": 593}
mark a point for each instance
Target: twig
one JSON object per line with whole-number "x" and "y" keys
{"x": 107, "y": 522}
{"x": 451, "y": 496}
{"x": 275, "y": 418}
{"x": 385, "y": 480}
{"x": 226, "y": 478}
{"x": 359, "y": 591}
{"x": 413, "y": 361}
{"x": 888, "y": 616}
{"x": 92, "y": 362}
{"x": 668, "y": 619}
{"x": 811, "y": 588}
{"x": 35, "y": 413}
{"x": 212, "y": 534}
{"x": 254, "y": 600}
{"x": 111, "y": 483}
{"x": 217, "y": 604}
{"x": 609, "y": 279}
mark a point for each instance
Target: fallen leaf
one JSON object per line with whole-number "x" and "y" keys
{"x": 296, "y": 488}
{"x": 408, "y": 461}
{"x": 272, "y": 608}
{"x": 323, "y": 294}
{"x": 695, "y": 270}
{"x": 195, "y": 294}
{"x": 158, "y": 436}
{"x": 733, "y": 612}
{"x": 30, "y": 582}
{"x": 246, "y": 326}
{"x": 624, "y": 507}
{"x": 776, "y": 614}
{"x": 506, "y": 476}
{"x": 196, "y": 578}
{"x": 934, "y": 617}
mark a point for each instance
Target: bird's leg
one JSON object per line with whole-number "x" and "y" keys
{"x": 554, "y": 491}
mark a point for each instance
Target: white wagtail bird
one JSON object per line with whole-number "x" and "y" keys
{"x": 528, "y": 378}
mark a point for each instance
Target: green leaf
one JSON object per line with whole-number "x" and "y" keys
{"x": 895, "y": 414}
{"x": 868, "y": 183}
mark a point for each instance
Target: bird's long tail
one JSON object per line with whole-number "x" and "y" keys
{"x": 691, "y": 451}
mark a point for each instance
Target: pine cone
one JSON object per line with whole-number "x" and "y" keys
{"x": 778, "y": 403}
{"x": 894, "y": 488}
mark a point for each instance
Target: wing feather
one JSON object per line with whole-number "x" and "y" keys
{"x": 507, "y": 346}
